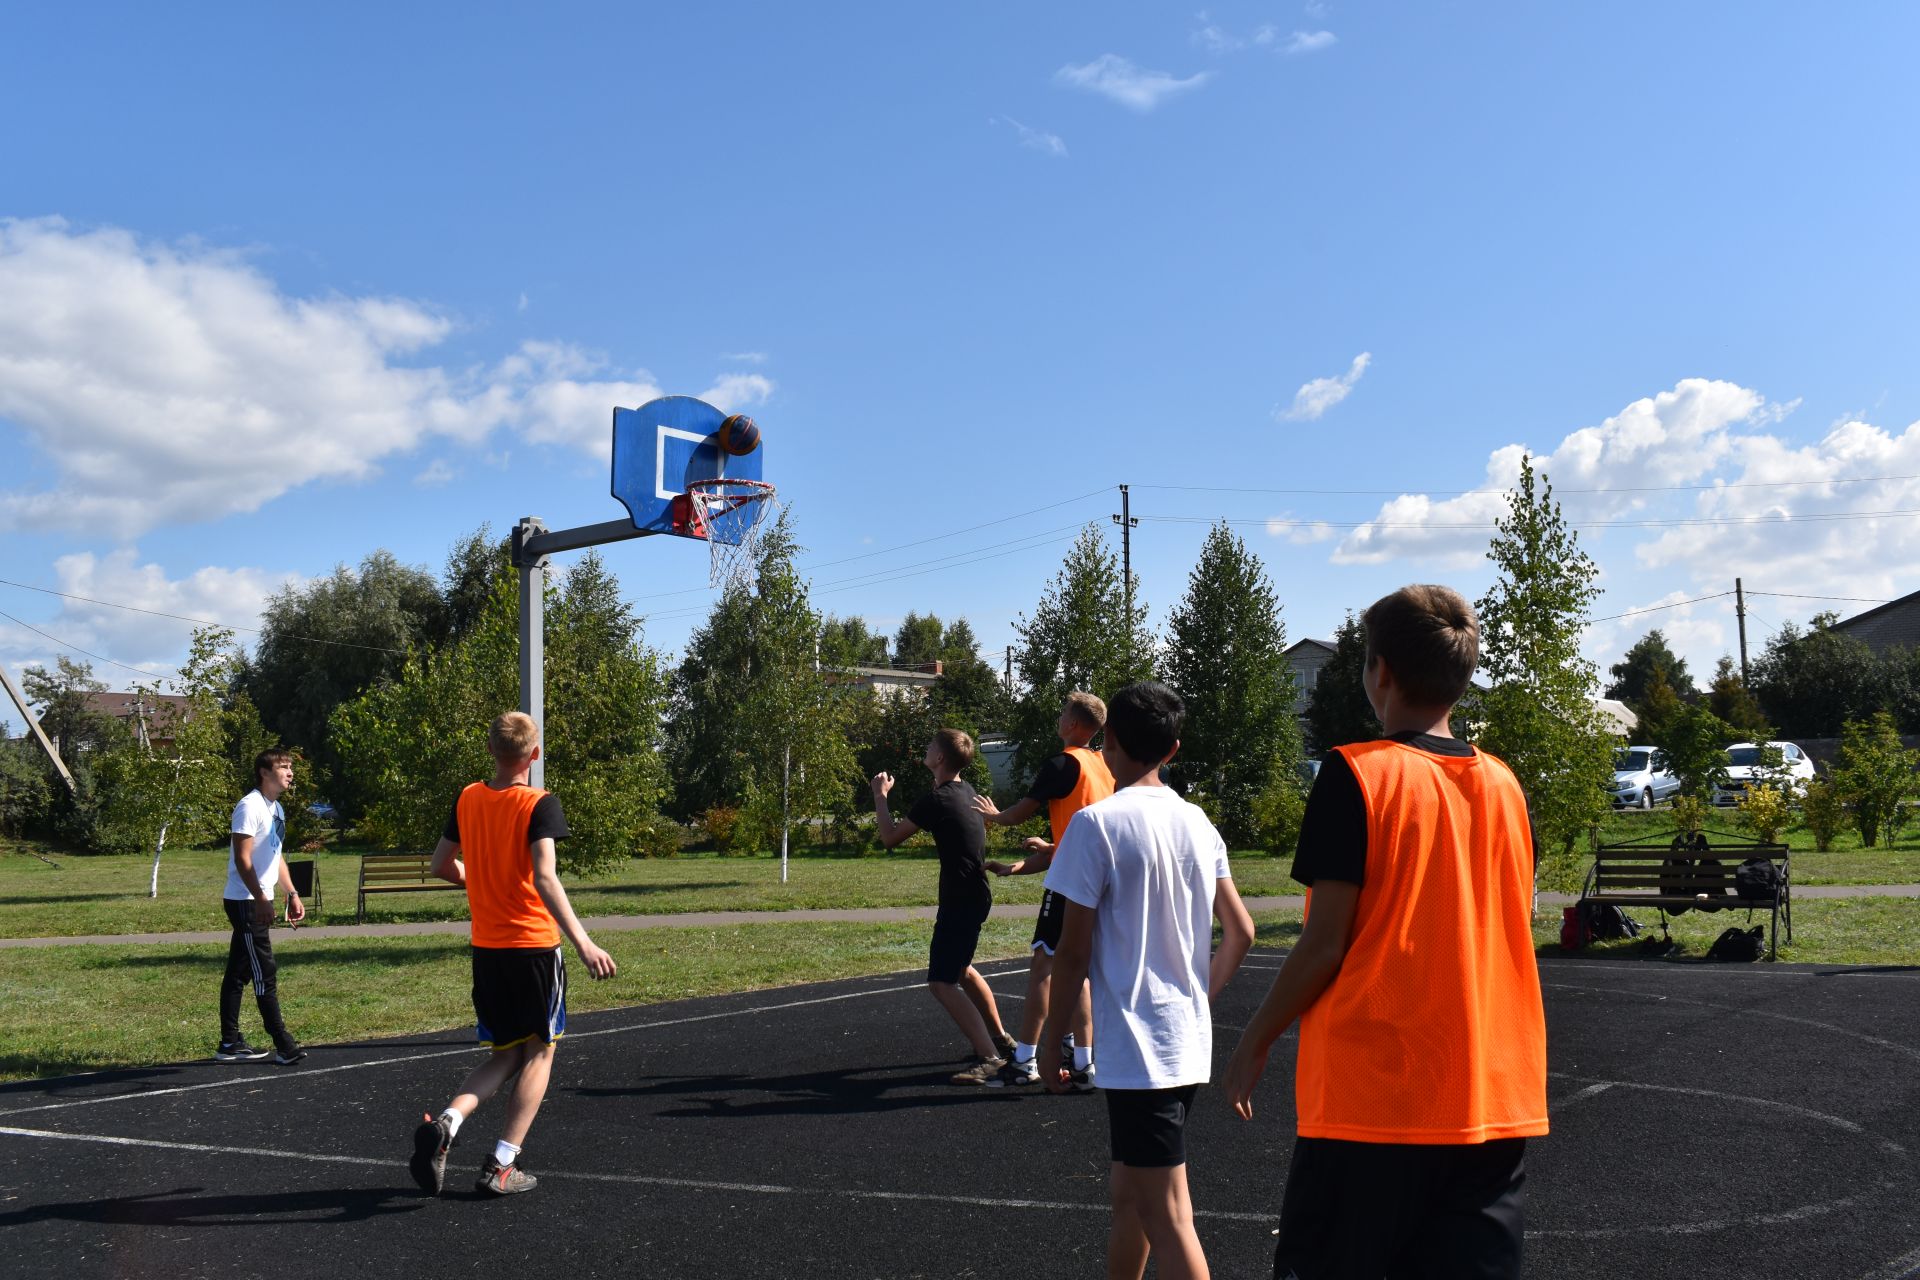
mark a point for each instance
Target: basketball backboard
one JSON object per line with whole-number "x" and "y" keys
{"x": 660, "y": 447}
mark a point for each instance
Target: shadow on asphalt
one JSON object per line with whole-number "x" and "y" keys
{"x": 186, "y": 1207}
{"x": 857, "y": 1091}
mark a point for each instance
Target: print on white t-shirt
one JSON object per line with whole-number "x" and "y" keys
{"x": 266, "y": 822}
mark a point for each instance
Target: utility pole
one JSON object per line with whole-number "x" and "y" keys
{"x": 33, "y": 727}
{"x": 1009, "y": 670}
{"x": 1740, "y": 612}
{"x": 1127, "y": 525}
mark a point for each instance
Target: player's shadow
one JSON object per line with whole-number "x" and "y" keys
{"x": 857, "y": 1091}
{"x": 186, "y": 1207}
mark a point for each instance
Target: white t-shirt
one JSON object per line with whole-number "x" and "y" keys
{"x": 1146, "y": 861}
{"x": 264, "y": 820}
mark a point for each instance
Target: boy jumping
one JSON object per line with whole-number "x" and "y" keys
{"x": 498, "y": 843}
{"x": 1423, "y": 1051}
{"x": 1066, "y": 784}
{"x": 966, "y": 898}
{"x": 1142, "y": 871}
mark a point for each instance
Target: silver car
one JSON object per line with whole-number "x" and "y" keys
{"x": 1640, "y": 778}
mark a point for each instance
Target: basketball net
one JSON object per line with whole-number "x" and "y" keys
{"x": 731, "y": 515}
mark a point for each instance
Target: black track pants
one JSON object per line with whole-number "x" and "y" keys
{"x": 250, "y": 963}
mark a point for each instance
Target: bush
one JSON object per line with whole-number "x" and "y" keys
{"x": 1763, "y": 811}
{"x": 1823, "y": 811}
{"x": 1277, "y": 811}
{"x": 721, "y": 823}
{"x": 1689, "y": 814}
{"x": 1876, "y": 776}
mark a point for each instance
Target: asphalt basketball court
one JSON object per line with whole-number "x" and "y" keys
{"x": 1709, "y": 1120}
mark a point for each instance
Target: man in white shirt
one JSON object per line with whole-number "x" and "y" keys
{"x": 1145, "y": 874}
{"x": 259, "y": 830}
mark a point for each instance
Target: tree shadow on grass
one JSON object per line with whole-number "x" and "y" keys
{"x": 856, "y": 1091}
{"x": 588, "y": 889}
{"x": 42, "y": 899}
{"x": 186, "y": 1207}
{"x": 324, "y": 954}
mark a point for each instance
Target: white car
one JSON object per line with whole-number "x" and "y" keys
{"x": 1744, "y": 767}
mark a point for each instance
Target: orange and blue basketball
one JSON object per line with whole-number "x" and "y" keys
{"x": 739, "y": 434}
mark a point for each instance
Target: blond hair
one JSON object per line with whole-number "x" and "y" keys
{"x": 512, "y": 737}
{"x": 1086, "y": 710}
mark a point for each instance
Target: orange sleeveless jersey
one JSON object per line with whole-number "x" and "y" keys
{"x": 507, "y": 911}
{"x": 1433, "y": 1030}
{"x": 1095, "y": 783}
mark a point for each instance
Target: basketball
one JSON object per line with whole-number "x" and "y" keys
{"x": 739, "y": 434}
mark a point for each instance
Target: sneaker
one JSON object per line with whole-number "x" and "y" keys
{"x": 1013, "y": 1074}
{"x": 1004, "y": 1046}
{"x": 287, "y": 1056}
{"x": 1082, "y": 1081}
{"x": 498, "y": 1179}
{"x": 238, "y": 1051}
{"x": 982, "y": 1071}
{"x": 429, "y": 1163}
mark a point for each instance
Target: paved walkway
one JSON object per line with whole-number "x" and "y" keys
{"x": 722, "y": 919}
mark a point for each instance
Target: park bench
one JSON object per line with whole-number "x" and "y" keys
{"x": 1636, "y": 874}
{"x": 398, "y": 873}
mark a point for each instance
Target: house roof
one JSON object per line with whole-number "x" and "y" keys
{"x": 1328, "y": 645}
{"x": 1912, "y": 597}
{"x": 125, "y": 706}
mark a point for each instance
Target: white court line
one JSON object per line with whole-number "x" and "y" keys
{"x": 1592, "y": 1090}
{"x": 305, "y": 1074}
{"x": 623, "y": 1179}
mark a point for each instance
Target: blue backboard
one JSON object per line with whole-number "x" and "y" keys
{"x": 662, "y": 445}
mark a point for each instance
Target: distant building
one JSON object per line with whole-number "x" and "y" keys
{"x": 150, "y": 717}
{"x": 891, "y": 682}
{"x": 1893, "y": 625}
{"x": 1306, "y": 657}
{"x": 1617, "y": 716}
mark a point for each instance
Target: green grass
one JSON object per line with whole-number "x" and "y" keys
{"x": 47, "y": 894}
{"x": 1879, "y": 931}
{"x": 1847, "y": 862}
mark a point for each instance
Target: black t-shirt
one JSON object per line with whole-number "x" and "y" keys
{"x": 547, "y": 822}
{"x": 960, "y": 836}
{"x": 1333, "y": 831}
{"x": 1056, "y": 780}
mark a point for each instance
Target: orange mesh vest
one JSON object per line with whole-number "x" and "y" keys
{"x": 1095, "y": 783}
{"x": 1432, "y": 1031}
{"x": 507, "y": 912}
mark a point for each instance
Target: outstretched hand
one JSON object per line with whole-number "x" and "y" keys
{"x": 985, "y": 807}
{"x": 882, "y": 784}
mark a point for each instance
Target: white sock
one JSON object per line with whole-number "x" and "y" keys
{"x": 1022, "y": 1051}
{"x": 453, "y": 1119}
{"x": 1082, "y": 1057}
{"x": 505, "y": 1153}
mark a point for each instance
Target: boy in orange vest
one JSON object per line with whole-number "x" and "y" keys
{"x": 498, "y": 843}
{"x": 1066, "y": 784}
{"x": 1423, "y": 1050}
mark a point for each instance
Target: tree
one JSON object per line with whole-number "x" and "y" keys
{"x": 968, "y": 695}
{"x": 410, "y": 744}
{"x": 1658, "y": 706}
{"x": 1649, "y": 657}
{"x": 1539, "y": 714}
{"x": 1337, "y": 708}
{"x": 326, "y": 641}
{"x": 755, "y": 724}
{"x": 63, "y": 701}
{"x": 1225, "y": 655}
{"x": 25, "y": 792}
{"x": 1875, "y": 776}
{"x": 847, "y": 642}
{"x": 1729, "y": 699}
{"x": 918, "y": 641}
{"x": 1081, "y": 635}
{"x": 1809, "y": 684}
{"x": 1694, "y": 745}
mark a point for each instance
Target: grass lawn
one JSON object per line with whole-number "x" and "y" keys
{"x": 1895, "y": 862}
{"x": 50, "y": 895}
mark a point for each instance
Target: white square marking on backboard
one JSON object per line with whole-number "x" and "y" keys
{"x": 660, "y": 459}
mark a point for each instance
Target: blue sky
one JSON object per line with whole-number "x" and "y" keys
{"x": 277, "y": 290}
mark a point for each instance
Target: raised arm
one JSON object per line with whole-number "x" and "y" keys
{"x": 1012, "y": 816}
{"x": 890, "y": 829}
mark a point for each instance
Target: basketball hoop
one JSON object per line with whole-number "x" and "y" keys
{"x": 729, "y": 515}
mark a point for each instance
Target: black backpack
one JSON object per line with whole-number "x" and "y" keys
{"x": 1739, "y": 944}
{"x": 1756, "y": 880}
{"x": 1605, "y": 922}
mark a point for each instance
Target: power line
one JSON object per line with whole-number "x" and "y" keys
{"x": 203, "y": 622}
{"x": 139, "y": 671}
{"x": 1788, "y": 595}
{"x": 1065, "y": 502}
{"x": 1458, "y": 493}
{"x": 1812, "y": 517}
{"x": 1634, "y": 613}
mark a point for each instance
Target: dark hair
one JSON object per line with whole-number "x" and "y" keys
{"x": 955, "y": 747}
{"x": 1429, "y": 637}
{"x": 271, "y": 758}
{"x": 1144, "y": 721}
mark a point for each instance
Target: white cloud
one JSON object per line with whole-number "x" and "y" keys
{"x": 175, "y": 383}
{"x": 437, "y": 474}
{"x": 1301, "y": 532}
{"x": 1213, "y": 38}
{"x": 1311, "y": 42}
{"x": 1113, "y": 76}
{"x": 744, "y": 357}
{"x": 1036, "y": 139}
{"x": 215, "y": 594}
{"x": 1316, "y": 397}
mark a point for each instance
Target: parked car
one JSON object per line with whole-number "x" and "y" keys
{"x": 1640, "y": 778}
{"x": 323, "y": 811}
{"x": 1745, "y": 767}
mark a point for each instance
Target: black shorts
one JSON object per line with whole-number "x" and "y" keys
{"x": 1046, "y": 927}
{"x": 956, "y": 935}
{"x": 1378, "y": 1209}
{"x": 1148, "y": 1127}
{"x": 519, "y": 994}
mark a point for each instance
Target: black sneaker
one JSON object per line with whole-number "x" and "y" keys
{"x": 1082, "y": 1081}
{"x": 498, "y": 1179}
{"x": 429, "y": 1163}
{"x": 1014, "y": 1074}
{"x": 286, "y": 1057}
{"x": 238, "y": 1051}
